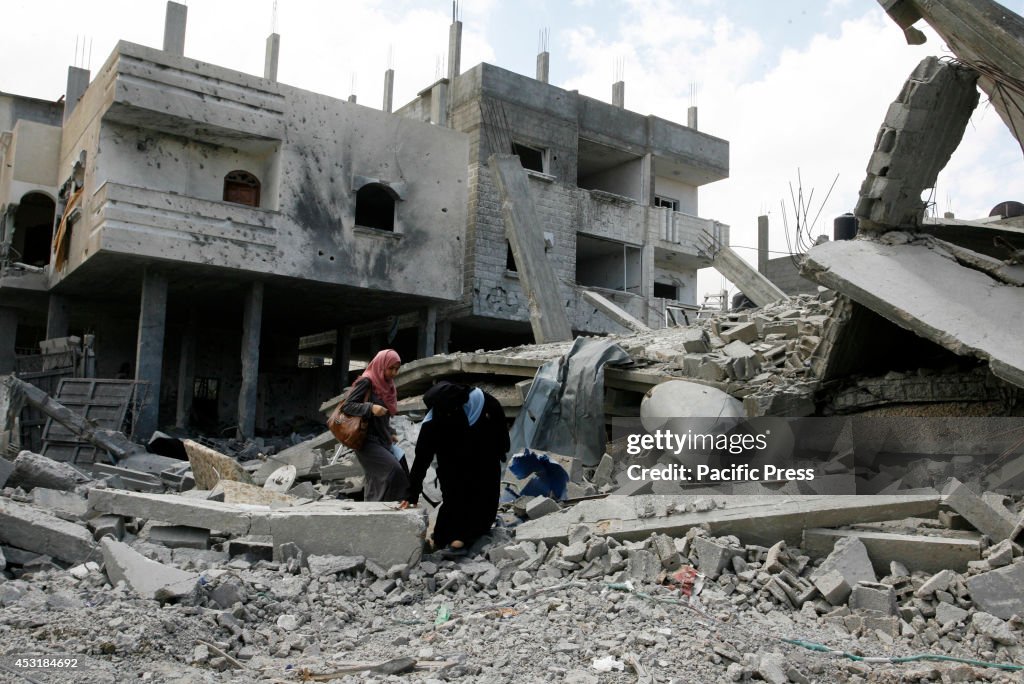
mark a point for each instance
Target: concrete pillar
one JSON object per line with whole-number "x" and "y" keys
{"x": 444, "y": 337}
{"x": 78, "y": 81}
{"x": 352, "y": 98}
{"x": 691, "y": 118}
{"x": 149, "y": 351}
{"x": 454, "y": 50}
{"x": 426, "y": 332}
{"x": 186, "y": 371}
{"x": 8, "y": 339}
{"x": 271, "y": 57}
{"x": 543, "y": 64}
{"x": 389, "y": 90}
{"x": 174, "y": 28}
{"x": 58, "y": 317}
{"x": 762, "y": 245}
{"x": 619, "y": 94}
{"x": 343, "y": 355}
{"x": 439, "y": 104}
{"x": 252, "y": 321}
{"x": 647, "y": 180}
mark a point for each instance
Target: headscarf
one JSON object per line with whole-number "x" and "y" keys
{"x": 475, "y": 406}
{"x": 383, "y": 387}
{"x": 445, "y": 399}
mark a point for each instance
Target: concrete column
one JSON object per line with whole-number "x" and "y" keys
{"x": 444, "y": 337}
{"x": 439, "y": 104}
{"x": 58, "y": 317}
{"x": 149, "y": 351}
{"x": 619, "y": 94}
{"x": 543, "y": 64}
{"x": 389, "y": 90}
{"x": 691, "y": 118}
{"x": 252, "y": 321}
{"x": 352, "y": 98}
{"x": 454, "y": 50}
{"x": 343, "y": 355}
{"x": 426, "y": 332}
{"x": 762, "y": 245}
{"x": 78, "y": 81}
{"x": 647, "y": 180}
{"x": 186, "y": 371}
{"x": 174, "y": 28}
{"x": 8, "y": 339}
{"x": 271, "y": 57}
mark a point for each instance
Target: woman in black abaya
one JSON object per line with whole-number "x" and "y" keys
{"x": 465, "y": 429}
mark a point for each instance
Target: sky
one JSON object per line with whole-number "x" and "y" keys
{"x": 798, "y": 87}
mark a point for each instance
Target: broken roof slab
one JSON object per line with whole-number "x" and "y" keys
{"x": 921, "y": 287}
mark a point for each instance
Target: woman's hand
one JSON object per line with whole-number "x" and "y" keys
{"x": 379, "y": 410}
{"x": 405, "y": 504}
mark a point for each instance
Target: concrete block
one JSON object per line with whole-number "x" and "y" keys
{"x": 947, "y": 613}
{"x": 305, "y": 490}
{"x": 332, "y": 565}
{"x": 35, "y": 470}
{"x": 180, "y": 536}
{"x": 370, "y": 529}
{"x": 107, "y": 525}
{"x": 849, "y": 558}
{"x": 605, "y": 470}
{"x": 994, "y": 628}
{"x": 210, "y": 467}
{"x": 33, "y": 530}
{"x": 999, "y": 592}
{"x": 873, "y": 597}
{"x": 540, "y": 506}
{"x": 211, "y": 515}
{"x": 694, "y": 340}
{"x": 833, "y": 587}
{"x": 940, "y": 581}
{"x": 67, "y": 505}
{"x": 305, "y": 457}
{"x": 642, "y": 566}
{"x": 257, "y": 548}
{"x": 147, "y": 578}
{"x": 998, "y": 525}
{"x": 665, "y": 549}
{"x": 744, "y": 332}
{"x": 714, "y": 556}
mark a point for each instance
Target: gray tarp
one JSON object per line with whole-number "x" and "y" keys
{"x": 564, "y": 410}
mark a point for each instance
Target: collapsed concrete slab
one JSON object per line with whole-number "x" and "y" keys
{"x": 376, "y": 530}
{"x": 35, "y": 470}
{"x": 32, "y": 530}
{"x": 147, "y": 578}
{"x": 916, "y": 552}
{"x": 975, "y": 510}
{"x": 999, "y": 592}
{"x": 754, "y": 519}
{"x": 339, "y": 528}
{"x": 906, "y": 282}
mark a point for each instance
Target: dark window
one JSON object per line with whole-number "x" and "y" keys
{"x": 33, "y": 230}
{"x": 530, "y": 157}
{"x": 510, "y": 259}
{"x": 375, "y": 207}
{"x": 666, "y": 291}
{"x": 241, "y": 187}
{"x": 666, "y": 202}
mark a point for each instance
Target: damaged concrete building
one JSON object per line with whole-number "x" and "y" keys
{"x": 215, "y": 235}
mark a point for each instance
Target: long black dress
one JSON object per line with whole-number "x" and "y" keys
{"x": 469, "y": 461}
{"x": 384, "y": 477}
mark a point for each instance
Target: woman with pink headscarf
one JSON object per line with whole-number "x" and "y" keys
{"x": 374, "y": 396}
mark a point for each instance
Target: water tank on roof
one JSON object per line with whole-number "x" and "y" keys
{"x": 844, "y": 227}
{"x": 1007, "y": 209}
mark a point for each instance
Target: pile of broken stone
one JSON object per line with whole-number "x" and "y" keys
{"x": 607, "y": 596}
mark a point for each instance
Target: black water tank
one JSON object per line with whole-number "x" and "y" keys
{"x": 1007, "y": 209}
{"x": 844, "y": 227}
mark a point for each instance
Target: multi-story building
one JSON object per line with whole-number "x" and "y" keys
{"x": 211, "y": 229}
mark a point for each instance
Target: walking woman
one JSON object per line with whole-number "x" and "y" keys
{"x": 465, "y": 429}
{"x": 374, "y": 396}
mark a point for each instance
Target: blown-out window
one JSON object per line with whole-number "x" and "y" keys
{"x": 375, "y": 207}
{"x": 241, "y": 187}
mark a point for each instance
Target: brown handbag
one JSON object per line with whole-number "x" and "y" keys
{"x": 349, "y": 430}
